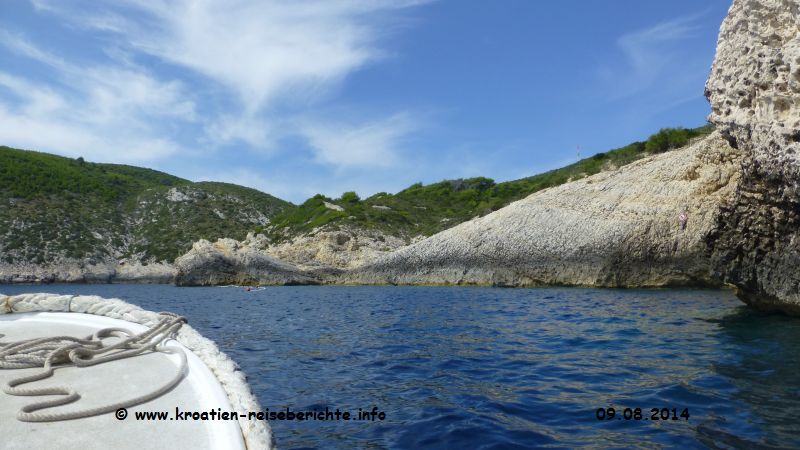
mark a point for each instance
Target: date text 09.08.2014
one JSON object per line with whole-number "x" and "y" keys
{"x": 637, "y": 414}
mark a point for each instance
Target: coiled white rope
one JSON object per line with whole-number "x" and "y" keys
{"x": 59, "y": 351}
{"x": 257, "y": 433}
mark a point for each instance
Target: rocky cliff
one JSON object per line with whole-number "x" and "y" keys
{"x": 69, "y": 270}
{"x": 228, "y": 261}
{"x": 754, "y": 91}
{"x": 344, "y": 248}
{"x": 616, "y": 228}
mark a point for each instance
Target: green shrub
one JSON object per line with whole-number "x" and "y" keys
{"x": 669, "y": 138}
{"x": 350, "y": 197}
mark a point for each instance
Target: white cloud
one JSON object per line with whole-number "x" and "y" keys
{"x": 641, "y": 46}
{"x": 652, "y": 58}
{"x": 58, "y": 136}
{"x": 262, "y": 50}
{"x": 100, "y": 112}
{"x": 111, "y": 90}
{"x": 246, "y": 128}
{"x": 36, "y": 100}
{"x": 21, "y": 46}
{"x": 236, "y": 69}
{"x": 374, "y": 144}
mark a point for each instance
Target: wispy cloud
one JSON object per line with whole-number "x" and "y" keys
{"x": 30, "y": 128}
{"x": 101, "y": 112}
{"x": 160, "y": 78}
{"x": 653, "y": 58}
{"x": 270, "y": 54}
{"x": 374, "y": 144}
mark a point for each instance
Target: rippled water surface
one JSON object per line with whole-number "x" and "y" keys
{"x": 501, "y": 368}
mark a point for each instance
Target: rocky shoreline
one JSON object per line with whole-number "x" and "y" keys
{"x": 77, "y": 271}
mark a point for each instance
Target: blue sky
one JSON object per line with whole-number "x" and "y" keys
{"x": 300, "y": 97}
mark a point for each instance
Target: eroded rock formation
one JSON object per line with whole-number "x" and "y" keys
{"x": 82, "y": 271}
{"x": 344, "y": 248}
{"x": 754, "y": 91}
{"x": 228, "y": 261}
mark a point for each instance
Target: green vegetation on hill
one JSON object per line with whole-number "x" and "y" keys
{"x": 209, "y": 211}
{"x": 26, "y": 174}
{"x": 428, "y": 209}
{"x": 51, "y": 206}
{"x": 671, "y": 138}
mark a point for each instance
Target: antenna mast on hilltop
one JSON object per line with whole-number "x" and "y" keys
{"x": 578, "y": 157}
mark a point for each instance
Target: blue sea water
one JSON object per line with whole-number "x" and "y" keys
{"x": 501, "y": 368}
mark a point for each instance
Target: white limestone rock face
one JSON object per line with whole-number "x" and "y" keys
{"x": 333, "y": 206}
{"x": 755, "y": 80}
{"x": 69, "y": 270}
{"x": 616, "y": 228}
{"x": 344, "y": 248}
{"x": 137, "y": 272}
{"x": 228, "y": 261}
{"x": 754, "y": 91}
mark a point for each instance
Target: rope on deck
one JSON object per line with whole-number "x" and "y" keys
{"x": 60, "y": 351}
{"x": 256, "y": 433}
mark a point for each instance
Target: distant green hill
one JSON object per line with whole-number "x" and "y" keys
{"x": 52, "y": 206}
{"x": 426, "y": 210}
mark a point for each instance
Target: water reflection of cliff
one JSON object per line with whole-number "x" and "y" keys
{"x": 762, "y": 367}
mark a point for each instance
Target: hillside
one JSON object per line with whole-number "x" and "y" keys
{"x": 425, "y": 210}
{"x": 63, "y": 212}
{"x": 53, "y": 208}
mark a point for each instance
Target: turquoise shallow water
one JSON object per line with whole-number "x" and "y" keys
{"x": 501, "y": 368}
